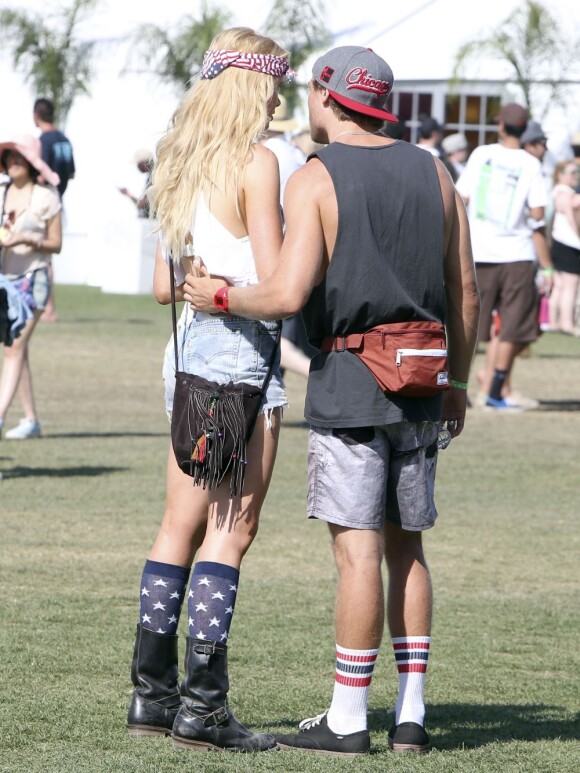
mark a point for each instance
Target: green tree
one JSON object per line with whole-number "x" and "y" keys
{"x": 47, "y": 52}
{"x": 298, "y": 26}
{"x": 175, "y": 55}
{"x": 535, "y": 50}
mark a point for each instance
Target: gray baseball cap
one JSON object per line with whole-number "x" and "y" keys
{"x": 357, "y": 79}
{"x": 533, "y": 133}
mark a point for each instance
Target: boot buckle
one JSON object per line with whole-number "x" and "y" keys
{"x": 207, "y": 648}
{"x": 217, "y": 717}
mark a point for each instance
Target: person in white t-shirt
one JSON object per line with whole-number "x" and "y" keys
{"x": 503, "y": 188}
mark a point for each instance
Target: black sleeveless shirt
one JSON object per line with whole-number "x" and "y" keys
{"x": 387, "y": 266}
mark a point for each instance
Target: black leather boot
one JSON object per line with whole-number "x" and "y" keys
{"x": 156, "y": 698}
{"x": 204, "y": 721}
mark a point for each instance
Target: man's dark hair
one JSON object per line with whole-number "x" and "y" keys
{"x": 44, "y": 109}
{"x": 395, "y": 131}
{"x": 514, "y": 131}
{"x": 346, "y": 114}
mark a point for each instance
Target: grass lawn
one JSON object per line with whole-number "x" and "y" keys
{"x": 80, "y": 508}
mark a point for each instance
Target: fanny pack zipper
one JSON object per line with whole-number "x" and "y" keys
{"x": 419, "y": 353}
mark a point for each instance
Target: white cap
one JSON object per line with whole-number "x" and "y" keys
{"x": 454, "y": 142}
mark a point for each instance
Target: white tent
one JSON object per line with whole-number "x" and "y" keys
{"x": 103, "y": 237}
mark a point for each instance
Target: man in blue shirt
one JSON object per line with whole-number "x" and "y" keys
{"x": 57, "y": 150}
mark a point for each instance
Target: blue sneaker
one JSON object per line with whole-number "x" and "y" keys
{"x": 502, "y": 406}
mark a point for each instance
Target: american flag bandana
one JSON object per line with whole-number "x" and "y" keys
{"x": 215, "y": 60}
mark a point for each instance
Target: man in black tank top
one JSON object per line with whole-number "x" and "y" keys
{"x": 375, "y": 234}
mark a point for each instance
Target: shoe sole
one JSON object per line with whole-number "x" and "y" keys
{"x": 321, "y": 751}
{"x": 204, "y": 746}
{"x": 8, "y": 436}
{"x": 403, "y": 748}
{"x": 508, "y": 409}
{"x": 147, "y": 730}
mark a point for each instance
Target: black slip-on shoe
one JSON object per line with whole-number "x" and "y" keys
{"x": 409, "y": 737}
{"x": 315, "y": 736}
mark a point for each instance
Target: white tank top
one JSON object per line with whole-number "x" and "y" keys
{"x": 562, "y": 230}
{"x": 223, "y": 254}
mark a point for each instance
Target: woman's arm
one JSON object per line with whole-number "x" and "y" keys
{"x": 162, "y": 281}
{"x": 565, "y": 203}
{"x": 261, "y": 191}
{"x": 50, "y": 243}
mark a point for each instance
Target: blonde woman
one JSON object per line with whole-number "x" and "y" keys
{"x": 565, "y": 247}
{"x": 215, "y": 186}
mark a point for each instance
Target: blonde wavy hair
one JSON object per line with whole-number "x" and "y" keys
{"x": 210, "y": 136}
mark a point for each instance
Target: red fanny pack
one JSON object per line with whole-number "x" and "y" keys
{"x": 406, "y": 358}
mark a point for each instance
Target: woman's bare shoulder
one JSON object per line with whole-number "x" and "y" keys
{"x": 261, "y": 155}
{"x": 262, "y": 166}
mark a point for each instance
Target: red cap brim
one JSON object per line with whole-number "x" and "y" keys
{"x": 374, "y": 112}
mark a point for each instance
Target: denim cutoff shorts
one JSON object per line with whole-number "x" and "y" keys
{"x": 34, "y": 288}
{"x": 41, "y": 288}
{"x": 360, "y": 477}
{"x": 224, "y": 349}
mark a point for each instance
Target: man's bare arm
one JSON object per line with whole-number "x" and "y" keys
{"x": 462, "y": 300}
{"x": 461, "y": 295}
{"x": 287, "y": 289}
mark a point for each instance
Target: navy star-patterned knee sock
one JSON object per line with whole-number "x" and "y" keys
{"x": 211, "y": 600}
{"x": 162, "y": 593}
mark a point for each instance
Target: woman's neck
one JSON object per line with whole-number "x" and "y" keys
{"x": 22, "y": 184}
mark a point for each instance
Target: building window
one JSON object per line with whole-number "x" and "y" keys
{"x": 473, "y": 115}
{"x": 408, "y": 106}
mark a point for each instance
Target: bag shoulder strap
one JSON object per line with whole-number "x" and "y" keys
{"x": 173, "y": 310}
{"x": 174, "y": 324}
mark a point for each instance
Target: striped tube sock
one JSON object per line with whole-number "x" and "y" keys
{"x": 411, "y": 655}
{"x": 161, "y": 596}
{"x": 354, "y": 671}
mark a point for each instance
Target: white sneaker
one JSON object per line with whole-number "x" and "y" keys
{"x": 520, "y": 401}
{"x": 26, "y": 429}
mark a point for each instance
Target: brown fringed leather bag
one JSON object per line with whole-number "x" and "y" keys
{"x": 406, "y": 358}
{"x": 212, "y": 423}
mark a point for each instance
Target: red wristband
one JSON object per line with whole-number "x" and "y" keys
{"x": 220, "y": 299}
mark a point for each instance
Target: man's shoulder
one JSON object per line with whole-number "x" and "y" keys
{"x": 53, "y": 136}
{"x": 482, "y": 152}
{"x": 310, "y": 180}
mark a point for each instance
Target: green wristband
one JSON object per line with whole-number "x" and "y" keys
{"x": 458, "y": 384}
{"x": 547, "y": 271}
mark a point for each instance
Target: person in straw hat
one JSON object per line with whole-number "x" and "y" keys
{"x": 30, "y": 233}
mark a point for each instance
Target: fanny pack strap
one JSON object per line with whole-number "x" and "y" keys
{"x": 174, "y": 324}
{"x": 355, "y": 340}
{"x": 341, "y": 343}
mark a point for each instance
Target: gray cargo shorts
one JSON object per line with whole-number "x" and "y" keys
{"x": 360, "y": 477}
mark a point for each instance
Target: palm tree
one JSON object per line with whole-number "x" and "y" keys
{"x": 299, "y": 26}
{"x": 174, "y": 56}
{"x": 48, "y": 53}
{"x": 531, "y": 43}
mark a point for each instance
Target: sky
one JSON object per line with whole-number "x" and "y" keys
{"x": 126, "y": 112}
